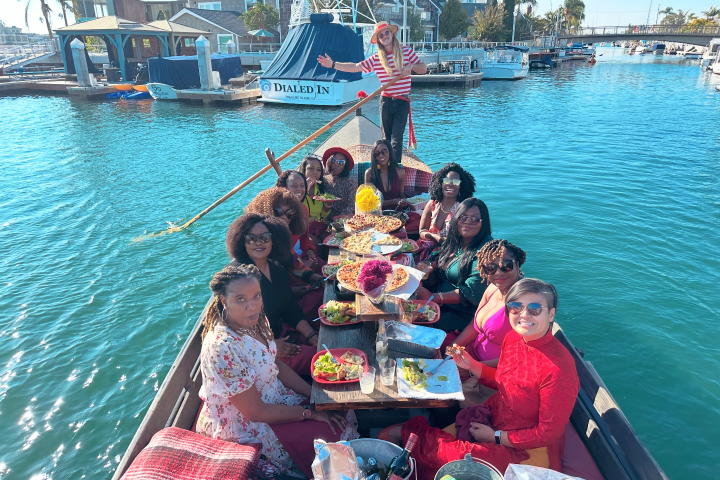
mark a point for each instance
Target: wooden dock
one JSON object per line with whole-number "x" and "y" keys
{"x": 19, "y": 87}
{"x": 462, "y": 80}
{"x": 213, "y": 96}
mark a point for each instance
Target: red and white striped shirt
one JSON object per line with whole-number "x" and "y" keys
{"x": 402, "y": 86}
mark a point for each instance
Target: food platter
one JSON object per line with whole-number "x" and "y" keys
{"x": 324, "y": 319}
{"x": 416, "y": 304}
{"x": 366, "y": 243}
{"x": 409, "y": 246}
{"x": 339, "y": 352}
{"x": 366, "y": 221}
{"x": 336, "y": 239}
{"x": 330, "y": 269}
{"x": 400, "y": 278}
{"x": 444, "y": 384}
{"x": 348, "y": 274}
{"x": 320, "y": 198}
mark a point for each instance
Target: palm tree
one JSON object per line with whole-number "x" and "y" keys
{"x": 46, "y": 11}
{"x": 68, "y": 5}
{"x": 711, "y": 12}
{"x": 574, "y": 12}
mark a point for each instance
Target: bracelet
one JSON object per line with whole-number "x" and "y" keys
{"x": 307, "y": 339}
{"x": 441, "y": 298}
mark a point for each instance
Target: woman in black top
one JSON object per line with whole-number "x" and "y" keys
{"x": 265, "y": 242}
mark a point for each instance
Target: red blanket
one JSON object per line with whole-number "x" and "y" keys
{"x": 177, "y": 454}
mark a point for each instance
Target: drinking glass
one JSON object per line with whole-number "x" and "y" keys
{"x": 387, "y": 372}
{"x": 367, "y": 381}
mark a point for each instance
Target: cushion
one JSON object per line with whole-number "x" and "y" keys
{"x": 577, "y": 461}
{"x": 177, "y": 454}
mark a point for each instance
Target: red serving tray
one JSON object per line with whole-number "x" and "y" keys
{"x": 338, "y": 352}
{"x": 431, "y": 304}
{"x": 326, "y": 200}
{"x": 324, "y": 319}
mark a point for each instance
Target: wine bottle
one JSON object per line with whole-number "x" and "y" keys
{"x": 376, "y": 466}
{"x": 400, "y": 465}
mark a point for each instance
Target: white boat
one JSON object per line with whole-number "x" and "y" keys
{"x": 715, "y": 65}
{"x": 710, "y": 53}
{"x": 504, "y": 62}
{"x": 658, "y": 49}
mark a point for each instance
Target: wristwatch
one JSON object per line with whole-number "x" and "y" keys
{"x": 497, "y": 437}
{"x": 307, "y": 413}
{"x": 333, "y": 65}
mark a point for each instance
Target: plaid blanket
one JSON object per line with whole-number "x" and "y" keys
{"x": 177, "y": 454}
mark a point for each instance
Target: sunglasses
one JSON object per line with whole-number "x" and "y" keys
{"x": 505, "y": 266}
{"x": 470, "y": 219}
{"x": 453, "y": 181}
{"x": 384, "y": 33}
{"x": 517, "y": 308}
{"x": 289, "y": 213}
{"x": 384, "y": 152}
{"x": 337, "y": 161}
{"x": 251, "y": 239}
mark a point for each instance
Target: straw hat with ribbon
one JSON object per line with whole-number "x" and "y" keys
{"x": 379, "y": 27}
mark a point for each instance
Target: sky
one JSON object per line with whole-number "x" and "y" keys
{"x": 597, "y": 12}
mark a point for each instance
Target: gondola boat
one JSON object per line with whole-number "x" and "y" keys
{"x": 604, "y": 431}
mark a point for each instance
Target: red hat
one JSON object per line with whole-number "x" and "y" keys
{"x": 332, "y": 151}
{"x": 379, "y": 27}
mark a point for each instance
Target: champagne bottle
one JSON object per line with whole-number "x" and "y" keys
{"x": 400, "y": 465}
{"x": 376, "y": 466}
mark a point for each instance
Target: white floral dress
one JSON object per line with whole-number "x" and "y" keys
{"x": 230, "y": 364}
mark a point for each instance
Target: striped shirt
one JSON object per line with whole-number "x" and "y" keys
{"x": 402, "y": 86}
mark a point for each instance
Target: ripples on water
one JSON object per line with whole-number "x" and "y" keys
{"x": 606, "y": 175}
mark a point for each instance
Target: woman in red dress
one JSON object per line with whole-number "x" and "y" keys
{"x": 537, "y": 384}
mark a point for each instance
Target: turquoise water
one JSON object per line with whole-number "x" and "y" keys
{"x": 606, "y": 175}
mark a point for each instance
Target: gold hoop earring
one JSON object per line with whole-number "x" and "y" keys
{"x": 377, "y": 166}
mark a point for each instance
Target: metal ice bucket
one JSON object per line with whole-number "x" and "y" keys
{"x": 379, "y": 449}
{"x": 469, "y": 469}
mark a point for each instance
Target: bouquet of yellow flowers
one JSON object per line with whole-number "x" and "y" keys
{"x": 368, "y": 200}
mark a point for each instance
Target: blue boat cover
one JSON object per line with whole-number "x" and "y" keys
{"x": 182, "y": 72}
{"x": 297, "y": 58}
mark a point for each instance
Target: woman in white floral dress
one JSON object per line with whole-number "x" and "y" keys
{"x": 245, "y": 390}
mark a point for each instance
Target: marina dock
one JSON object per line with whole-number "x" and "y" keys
{"x": 466, "y": 80}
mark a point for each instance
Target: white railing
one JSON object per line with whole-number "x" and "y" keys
{"x": 22, "y": 53}
{"x": 459, "y": 46}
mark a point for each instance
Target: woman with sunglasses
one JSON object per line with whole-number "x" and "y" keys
{"x": 248, "y": 396}
{"x": 499, "y": 263}
{"x": 390, "y": 61}
{"x": 305, "y": 277}
{"x": 338, "y": 165}
{"x": 537, "y": 385}
{"x": 264, "y": 241}
{"x": 448, "y": 187}
{"x": 459, "y": 287}
{"x": 312, "y": 168}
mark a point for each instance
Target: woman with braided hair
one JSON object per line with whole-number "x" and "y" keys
{"x": 457, "y": 283}
{"x": 498, "y": 262}
{"x": 264, "y": 241}
{"x": 248, "y": 396}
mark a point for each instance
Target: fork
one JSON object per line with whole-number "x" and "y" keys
{"x": 432, "y": 372}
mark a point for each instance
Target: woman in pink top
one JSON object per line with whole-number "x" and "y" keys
{"x": 392, "y": 60}
{"x": 499, "y": 263}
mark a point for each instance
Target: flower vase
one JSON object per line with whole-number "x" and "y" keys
{"x": 377, "y": 296}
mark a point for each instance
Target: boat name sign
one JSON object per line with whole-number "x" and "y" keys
{"x": 295, "y": 89}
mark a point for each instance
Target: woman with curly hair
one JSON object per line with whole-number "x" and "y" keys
{"x": 294, "y": 181}
{"x": 264, "y": 241}
{"x": 312, "y": 168}
{"x": 305, "y": 278}
{"x": 248, "y": 396}
{"x": 498, "y": 262}
{"x": 459, "y": 286}
{"x": 448, "y": 187}
{"x": 338, "y": 165}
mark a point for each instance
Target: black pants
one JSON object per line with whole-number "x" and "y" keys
{"x": 393, "y": 118}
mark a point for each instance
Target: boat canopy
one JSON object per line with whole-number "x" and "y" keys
{"x": 519, "y": 48}
{"x": 297, "y": 58}
{"x": 182, "y": 72}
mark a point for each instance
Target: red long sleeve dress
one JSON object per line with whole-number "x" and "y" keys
{"x": 537, "y": 384}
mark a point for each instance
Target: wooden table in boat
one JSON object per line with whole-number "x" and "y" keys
{"x": 348, "y": 396}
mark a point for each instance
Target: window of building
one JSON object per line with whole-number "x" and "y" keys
{"x": 146, "y": 42}
{"x": 222, "y": 42}
{"x": 189, "y": 42}
{"x": 209, "y": 6}
{"x": 428, "y": 36}
{"x": 101, "y": 10}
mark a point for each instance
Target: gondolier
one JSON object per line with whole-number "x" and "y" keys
{"x": 391, "y": 61}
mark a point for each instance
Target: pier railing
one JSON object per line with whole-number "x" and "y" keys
{"x": 713, "y": 30}
{"x": 459, "y": 46}
{"x": 18, "y": 54}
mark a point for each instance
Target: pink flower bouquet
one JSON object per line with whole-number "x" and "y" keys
{"x": 374, "y": 277}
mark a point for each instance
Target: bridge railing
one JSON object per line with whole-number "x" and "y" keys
{"x": 17, "y": 54}
{"x": 459, "y": 46}
{"x": 643, "y": 30}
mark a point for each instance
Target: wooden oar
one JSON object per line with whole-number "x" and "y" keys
{"x": 280, "y": 159}
{"x": 271, "y": 158}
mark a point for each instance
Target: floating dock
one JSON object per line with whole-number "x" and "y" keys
{"x": 463, "y": 80}
{"x": 225, "y": 96}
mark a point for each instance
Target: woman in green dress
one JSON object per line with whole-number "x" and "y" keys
{"x": 456, "y": 281}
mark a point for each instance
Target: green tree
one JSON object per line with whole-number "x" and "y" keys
{"x": 489, "y": 24}
{"x": 574, "y": 13}
{"x": 453, "y": 20}
{"x": 416, "y": 27}
{"x": 509, "y": 7}
{"x": 46, "y": 12}
{"x": 711, "y": 13}
{"x": 261, "y": 16}
{"x": 365, "y": 11}
{"x": 68, "y": 5}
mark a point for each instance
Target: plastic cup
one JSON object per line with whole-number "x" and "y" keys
{"x": 367, "y": 381}
{"x": 387, "y": 372}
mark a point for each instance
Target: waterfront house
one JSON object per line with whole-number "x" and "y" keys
{"x": 12, "y": 35}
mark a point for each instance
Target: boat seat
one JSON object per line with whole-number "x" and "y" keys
{"x": 576, "y": 460}
{"x": 177, "y": 454}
